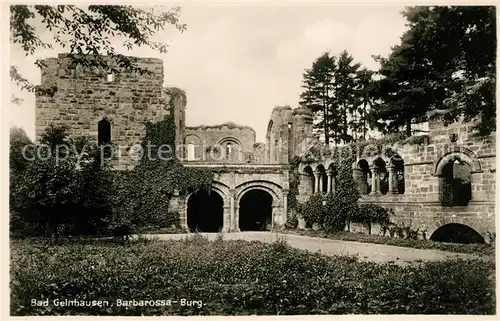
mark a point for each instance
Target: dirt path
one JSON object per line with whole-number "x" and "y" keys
{"x": 365, "y": 251}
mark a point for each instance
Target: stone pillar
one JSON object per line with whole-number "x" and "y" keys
{"x": 329, "y": 181}
{"x": 391, "y": 180}
{"x": 333, "y": 184}
{"x": 233, "y": 213}
{"x": 285, "y": 205}
{"x": 375, "y": 184}
{"x": 226, "y": 227}
{"x": 316, "y": 182}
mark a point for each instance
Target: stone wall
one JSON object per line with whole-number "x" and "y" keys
{"x": 210, "y": 143}
{"x": 86, "y": 96}
{"x": 420, "y": 205}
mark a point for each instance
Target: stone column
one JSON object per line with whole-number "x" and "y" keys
{"x": 234, "y": 215}
{"x": 375, "y": 184}
{"x": 329, "y": 181}
{"x": 316, "y": 182}
{"x": 333, "y": 184}
{"x": 285, "y": 205}
{"x": 391, "y": 180}
{"x": 226, "y": 227}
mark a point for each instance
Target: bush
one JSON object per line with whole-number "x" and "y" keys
{"x": 58, "y": 193}
{"x": 312, "y": 211}
{"x": 369, "y": 214}
{"x": 239, "y": 278}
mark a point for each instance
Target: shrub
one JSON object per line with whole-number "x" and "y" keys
{"x": 312, "y": 211}
{"x": 60, "y": 192}
{"x": 239, "y": 278}
{"x": 369, "y": 214}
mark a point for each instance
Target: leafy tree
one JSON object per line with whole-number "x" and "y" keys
{"x": 444, "y": 67}
{"x": 318, "y": 93}
{"x": 86, "y": 32}
{"x": 18, "y": 140}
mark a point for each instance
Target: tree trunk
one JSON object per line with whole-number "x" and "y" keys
{"x": 325, "y": 116}
{"x": 364, "y": 119}
{"x": 408, "y": 127}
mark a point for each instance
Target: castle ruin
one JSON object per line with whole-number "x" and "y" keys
{"x": 251, "y": 180}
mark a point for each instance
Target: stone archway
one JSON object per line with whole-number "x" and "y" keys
{"x": 454, "y": 221}
{"x": 277, "y": 204}
{"x": 205, "y": 211}
{"x": 456, "y": 233}
{"x": 255, "y": 210}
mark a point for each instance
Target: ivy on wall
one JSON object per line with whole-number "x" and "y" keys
{"x": 319, "y": 152}
{"x": 145, "y": 191}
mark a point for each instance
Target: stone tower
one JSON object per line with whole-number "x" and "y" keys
{"x": 88, "y": 100}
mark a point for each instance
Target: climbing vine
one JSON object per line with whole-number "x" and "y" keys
{"x": 294, "y": 181}
{"x": 319, "y": 151}
{"x": 145, "y": 191}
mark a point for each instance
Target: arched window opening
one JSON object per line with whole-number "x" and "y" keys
{"x": 455, "y": 183}
{"x": 362, "y": 176}
{"x": 193, "y": 148}
{"x": 332, "y": 181}
{"x": 398, "y": 175}
{"x": 229, "y": 150}
{"x": 322, "y": 185}
{"x": 309, "y": 178}
{"x": 456, "y": 233}
{"x": 103, "y": 132}
{"x": 381, "y": 177}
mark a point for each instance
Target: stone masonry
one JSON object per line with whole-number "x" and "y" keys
{"x": 420, "y": 205}
{"x": 84, "y": 97}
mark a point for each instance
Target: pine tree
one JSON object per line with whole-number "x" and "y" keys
{"x": 317, "y": 94}
{"x": 346, "y": 94}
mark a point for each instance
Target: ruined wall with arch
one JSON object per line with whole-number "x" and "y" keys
{"x": 421, "y": 204}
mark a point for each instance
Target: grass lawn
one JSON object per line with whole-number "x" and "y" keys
{"x": 235, "y": 278}
{"x": 480, "y": 249}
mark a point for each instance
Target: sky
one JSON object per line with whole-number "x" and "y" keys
{"x": 237, "y": 62}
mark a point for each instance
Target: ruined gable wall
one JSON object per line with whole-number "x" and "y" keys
{"x": 209, "y": 136}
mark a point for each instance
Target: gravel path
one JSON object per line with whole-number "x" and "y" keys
{"x": 365, "y": 251}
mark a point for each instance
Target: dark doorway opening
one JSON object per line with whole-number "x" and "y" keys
{"x": 256, "y": 211}
{"x": 205, "y": 212}
{"x": 456, "y": 233}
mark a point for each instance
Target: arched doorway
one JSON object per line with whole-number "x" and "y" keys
{"x": 255, "y": 212}
{"x": 456, "y": 233}
{"x": 205, "y": 212}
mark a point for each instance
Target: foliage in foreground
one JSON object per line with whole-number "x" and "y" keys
{"x": 238, "y": 277}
